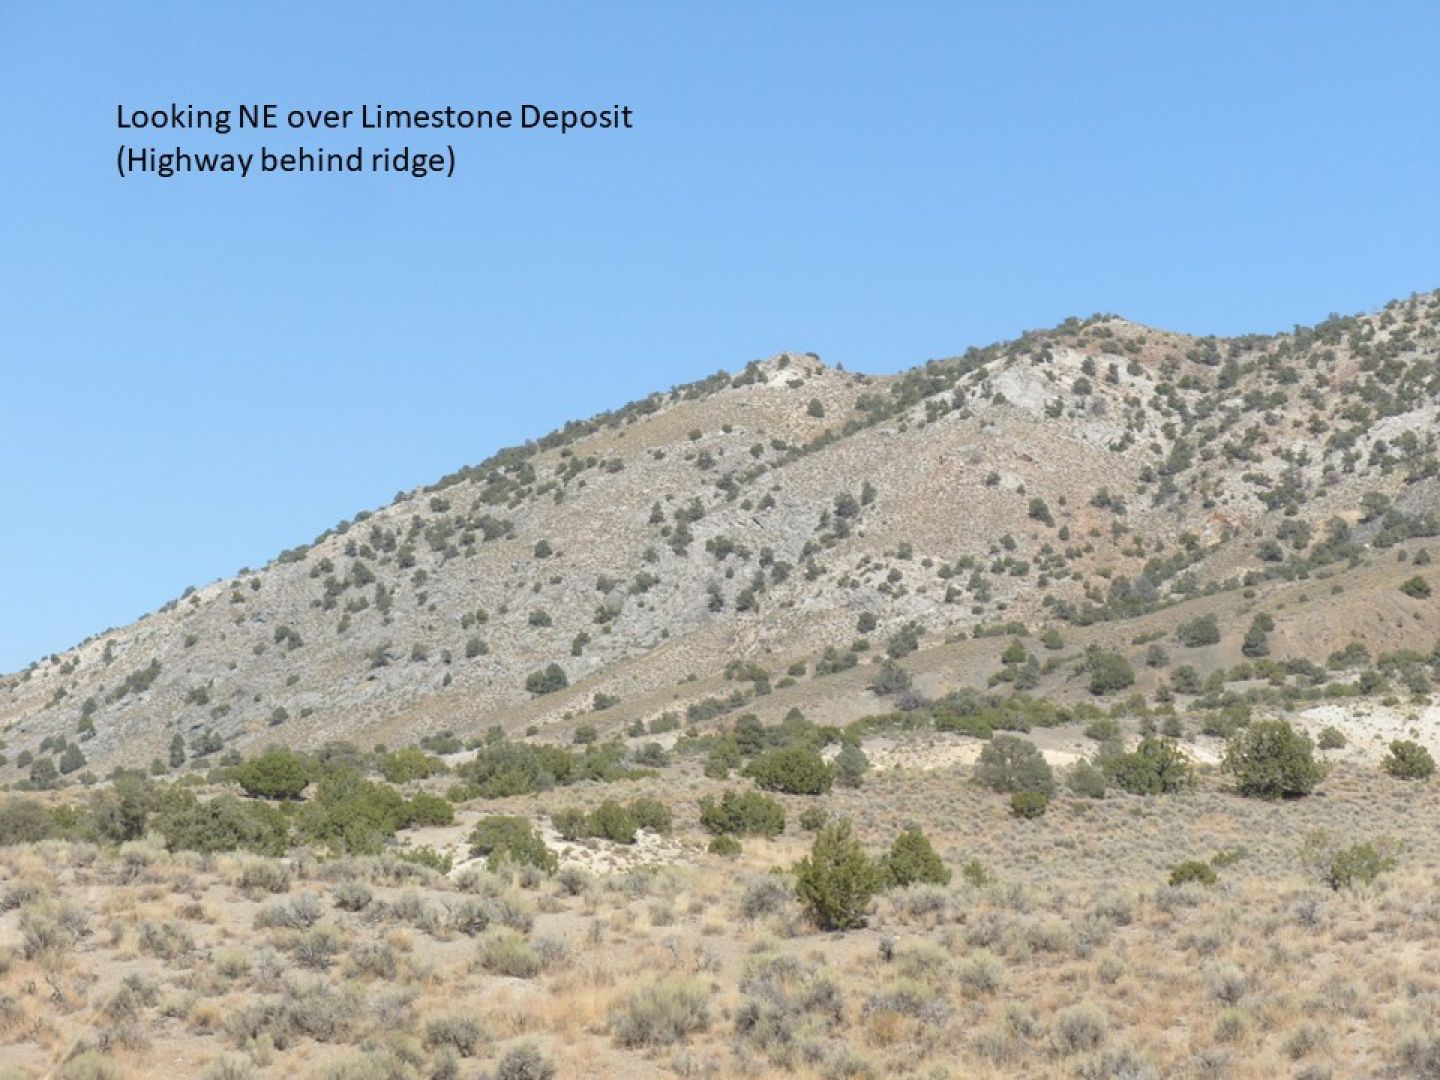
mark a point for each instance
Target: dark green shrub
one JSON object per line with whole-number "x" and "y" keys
{"x": 1109, "y": 671}
{"x": 1204, "y": 630}
{"x": 795, "y": 770}
{"x": 1257, "y": 638}
{"x": 1408, "y": 760}
{"x": 724, "y": 845}
{"x": 569, "y": 823}
{"x": 1193, "y": 871}
{"x": 892, "y": 679}
{"x": 742, "y": 814}
{"x": 350, "y": 814}
{"x": 224, "y": 823}
{"x": 428, "y": 857}
{"x": 813, "y": 818}
{"x": 1271, "y": 760}
{"x": 913, "y": 859}
{"x": 408, "y": 765}
{"x": 1331, "y": 738}
{"x": 122, "y": 812}
{"x": 1086, "y": 780}
{"x": 748, "y": 735}
{"x": 547, "y": 680}
{"x": 1155, "y": 767}
{"x": 277, "y": 773}
{"x": 652, "y": 814}
{"x": 613, "y": 822}
{"x": 1103, "y": 729}
{"x": 1343, "y": 867}
{"x": 426, "y": 809}
{"x": 1014, "y": 653}
{"x": 904, "y": 641}
{"x": 43, "y": 774}
{"x": 975, "y": 874}
{"x": 851, "y": 765}
{"x": 1416, "y": 587}
{"x": 838, "y": 880}
{"x": 652, "y": 756}
{"x": 506, "y": 839}
{"x": 25, "y": 821}
{"x": 1029, "y": 804}
{"x": 1359, "y": 864}
{"x": 517, "y": 768}
{"x": 71, "y": 759}
{"x": 1008, "y": 764}
{"x": 1185, "y": 680}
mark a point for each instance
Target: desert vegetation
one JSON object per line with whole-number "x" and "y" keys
{"x": 1062, "y": 709}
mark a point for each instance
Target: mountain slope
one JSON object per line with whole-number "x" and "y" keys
{"x": 1083, "y": 478}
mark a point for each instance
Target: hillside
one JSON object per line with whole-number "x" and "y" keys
{"x": 1074, "y": 478}
{"x": 1065, "y": 709}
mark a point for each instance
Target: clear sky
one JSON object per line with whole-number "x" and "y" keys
{"x": 197, "y": 373}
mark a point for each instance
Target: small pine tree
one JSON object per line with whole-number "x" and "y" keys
{"x": 913, "y": 859}
{"x": 73, "y": 759}
{"x": 1257, "y": 638}
{"x": 838, "y": 880}
{"x": 851, "y": 765}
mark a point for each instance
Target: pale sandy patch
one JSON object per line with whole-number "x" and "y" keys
{"x": 1370, "y": 727}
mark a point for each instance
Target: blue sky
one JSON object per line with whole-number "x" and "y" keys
{"x": 197, "y": 373}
